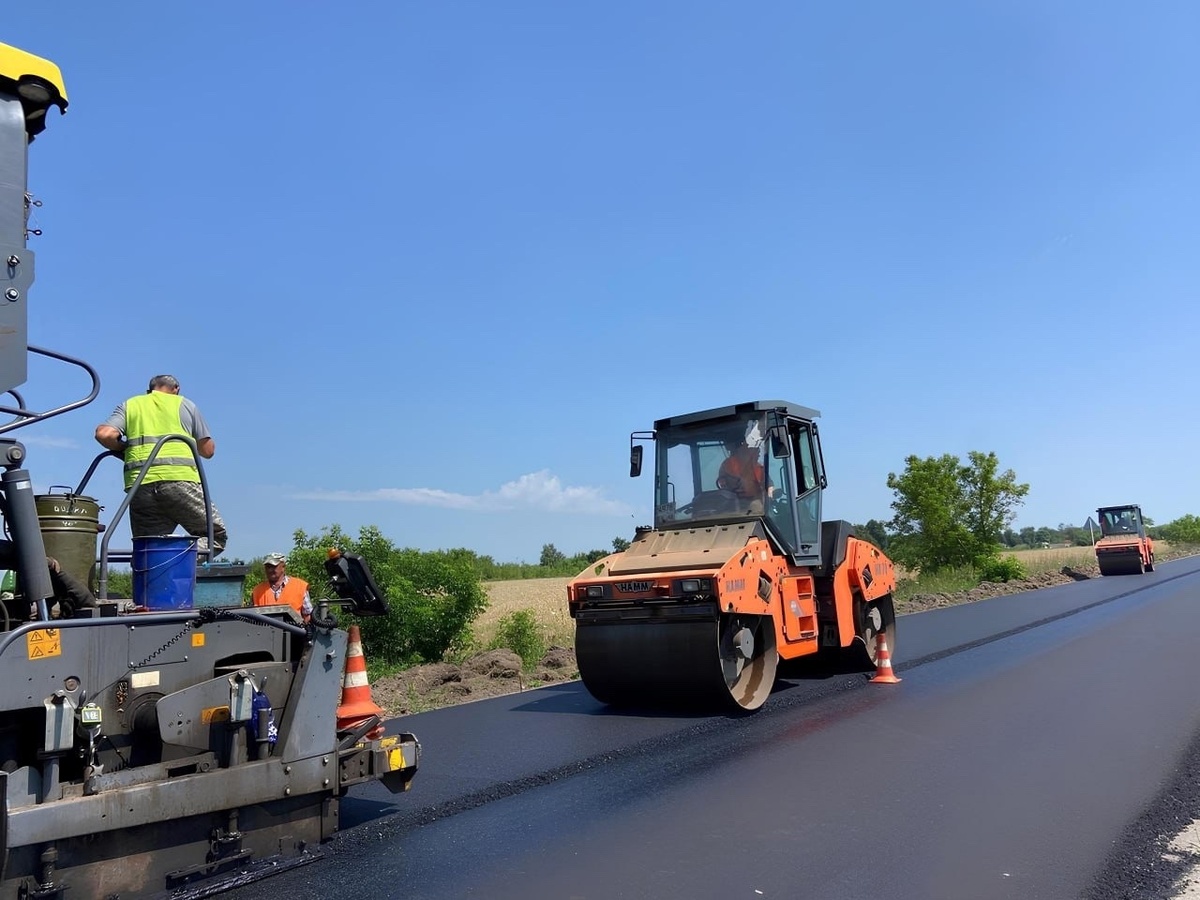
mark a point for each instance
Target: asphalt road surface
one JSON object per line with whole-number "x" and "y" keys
{"x": 1040, "y": 745}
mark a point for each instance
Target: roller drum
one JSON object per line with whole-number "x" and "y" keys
{"x": 727, "y": 663}
{"x": 1129, "y": 563}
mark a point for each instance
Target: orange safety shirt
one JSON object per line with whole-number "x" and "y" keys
{"x": 292, "y": 594}
{"x": 744, "y": 474}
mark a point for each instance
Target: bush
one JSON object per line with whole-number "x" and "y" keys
{"x": 1184, "y": 530}
{"x": 519, "y": 632}
{"x": 120, "y": 584}
{"x": 432, "y": 597}
{"x": 995, "y": 568}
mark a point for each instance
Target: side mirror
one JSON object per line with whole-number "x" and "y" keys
{"x": 779, "y": 444}
{"x": 635, "y": 460}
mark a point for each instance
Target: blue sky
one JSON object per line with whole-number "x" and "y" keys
{"x": 425, "y": 266}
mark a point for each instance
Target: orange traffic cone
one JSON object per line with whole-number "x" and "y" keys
{"x": 357, "y": 705}
{"x": 883, "y": 662}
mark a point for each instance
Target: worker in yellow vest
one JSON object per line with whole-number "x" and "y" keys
{"x": 170, "y": 495}
{"x": 282, "y": 589}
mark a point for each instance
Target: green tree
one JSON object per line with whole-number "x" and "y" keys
{"x": 1074, "y": 535}
{"x": 991, "y": 498}
{"x": 620, "y": 545}
{"x": 949, "y": 514}
{"x": 1184, "y": 530}
{"x": 433, "y": 597}
{"x": 929, "y": 514}
{"x": 551, "y": 556}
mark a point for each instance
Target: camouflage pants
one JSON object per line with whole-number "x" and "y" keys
{"x": 157, "y": 508}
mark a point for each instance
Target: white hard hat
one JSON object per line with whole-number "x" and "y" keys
{"x": 754, "y": 437}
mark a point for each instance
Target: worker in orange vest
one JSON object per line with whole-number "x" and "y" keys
{"x": 742, "y": 471}
{"x": 281, "y": 589}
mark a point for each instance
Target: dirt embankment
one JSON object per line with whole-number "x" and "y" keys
{"x": 1065, "y": 575}
{"x": 497, "y": 672}
{"x": 484, "y": 675}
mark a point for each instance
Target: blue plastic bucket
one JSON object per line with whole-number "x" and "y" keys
{"x": 164, "y": 572}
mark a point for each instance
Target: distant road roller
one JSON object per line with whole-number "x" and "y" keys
{"x": 1124, "y": 547}
{"x": 738, "y": 579}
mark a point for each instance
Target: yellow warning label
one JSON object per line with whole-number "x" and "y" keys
{"x": 197, "y": 639}
{"x": 43, "y": 643}
{"x": 396, "y": 759}
{"x": 214, "y": 714}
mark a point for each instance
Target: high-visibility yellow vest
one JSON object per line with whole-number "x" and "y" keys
{"x": 149, "y": 417}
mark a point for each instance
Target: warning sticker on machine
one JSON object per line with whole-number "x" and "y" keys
{"x": 43, "y": 643}
{"x": 144, "y": 679}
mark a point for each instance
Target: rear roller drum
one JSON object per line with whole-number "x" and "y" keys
{"x": 871, "y": 620}
{"x": 728, "y": 663}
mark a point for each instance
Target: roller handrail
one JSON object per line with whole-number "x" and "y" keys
{"x": 87, "y": 476}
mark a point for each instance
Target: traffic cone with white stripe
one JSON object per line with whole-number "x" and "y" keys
{"x": 357, "y": 705}
{"x": 883, "y": 662}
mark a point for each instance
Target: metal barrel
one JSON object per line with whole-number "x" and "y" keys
{"x": 69, "y": 524}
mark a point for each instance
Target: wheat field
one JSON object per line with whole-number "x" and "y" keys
{"x": 546, "y": 598}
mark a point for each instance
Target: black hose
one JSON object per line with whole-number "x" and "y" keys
{"x": 328, "y": 624}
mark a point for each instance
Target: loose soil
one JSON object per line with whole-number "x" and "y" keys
{"x": 495, "y": 672}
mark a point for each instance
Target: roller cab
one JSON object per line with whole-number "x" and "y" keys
{"x": 738, "y": 572}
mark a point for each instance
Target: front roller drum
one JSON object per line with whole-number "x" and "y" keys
{"x": 729, "y": 663}
{"x": 1120, "y": 563}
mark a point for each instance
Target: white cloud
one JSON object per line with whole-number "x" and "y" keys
{"x": 537, "y": 490}
{"x": 49, "y": 443}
